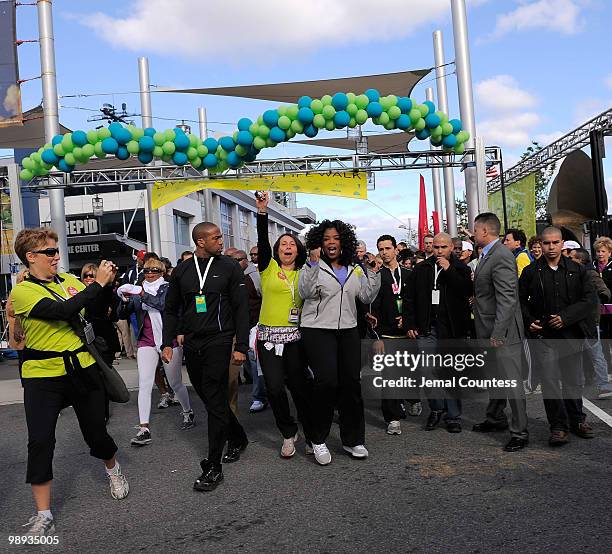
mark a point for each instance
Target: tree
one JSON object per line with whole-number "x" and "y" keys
{"x": 542, "y": 179}
{"x": 462, "y": 213}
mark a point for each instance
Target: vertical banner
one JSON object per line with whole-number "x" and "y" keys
{"x": 520, "y": 205}
{"x": 10, "y": 94}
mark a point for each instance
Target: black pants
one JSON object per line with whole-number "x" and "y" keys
{"x": 287, "y": 370}
{"x": 393, "y": 409}
{"x": 208, "y": 372}
{"x": 43, "y": 400}
{"x": 334, "y": 356}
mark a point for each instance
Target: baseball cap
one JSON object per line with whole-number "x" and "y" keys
{"x": 571, "y": 245}
{"x": 465, "y": 245}
{"x": 141, "y": 254}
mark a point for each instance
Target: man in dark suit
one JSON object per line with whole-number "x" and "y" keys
{"x": 497, "y": 314}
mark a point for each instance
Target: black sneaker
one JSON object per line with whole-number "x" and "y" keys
{"x": 210, "y": 478}
{"x": 142, "y": 438}
{"x": 233, "y": 452}
{"x": 433, "y": 420}
{"x": 188, "y": 420}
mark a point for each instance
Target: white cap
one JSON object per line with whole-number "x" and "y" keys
{"x": 571, "y": 245}
{"x": 465, "y": 245}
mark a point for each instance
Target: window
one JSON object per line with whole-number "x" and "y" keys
{"x": 245, "y": 237}
{"x": 226, "y": 223}
{"x": 181, "y": 230}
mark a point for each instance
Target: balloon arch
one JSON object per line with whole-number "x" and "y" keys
{"x": 306, "y": 117}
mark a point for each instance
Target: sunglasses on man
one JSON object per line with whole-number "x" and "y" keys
{"x": 49, "y": 252}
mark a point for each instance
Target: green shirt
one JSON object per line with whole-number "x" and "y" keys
{"x": 276, "y": 297}
{"x": 46, "y": 334}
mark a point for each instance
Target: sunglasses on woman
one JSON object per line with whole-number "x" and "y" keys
{"x": 49, "y": 252}
{"x": 152, "y": 270}
{"x": 89, "y": 276}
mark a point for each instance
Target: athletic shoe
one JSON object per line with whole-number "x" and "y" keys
{"x": 164, "y": 401}
{"x": 173, "y": 400}
{"x": 321, "y": 454}
{"x": 210, "y": 478}
{"x": 359, "y": 451}
{"x": 288, "y": 448}
{"x": 119, "y": 486}
{"x": 257, "y": 406}
{"x": 188, "y": 420}
{"x": 40, "y": 526}
{"x": 308, "y": 449}
{"x": 394, "y": 428}
{"x": 604, "y": 392}
{"x": 142, "y": 438}
{"x": 415, "y": 409}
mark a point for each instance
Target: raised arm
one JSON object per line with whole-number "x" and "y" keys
{"x": 264, "y": 250}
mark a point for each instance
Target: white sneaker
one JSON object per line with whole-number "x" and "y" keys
{"x": 288, "y": 448}
{"x": 40, "y": 526}
{"x": 359, "y": 451}
{"x": 394, "y": 428}
{"x": 164, "y": 401}
{"x": 321, "y": 454}
{"x": 119, "y": 486}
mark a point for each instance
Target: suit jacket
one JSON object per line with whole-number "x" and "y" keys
{"x": 497, "y": 310}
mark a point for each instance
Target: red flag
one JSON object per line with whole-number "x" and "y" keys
{"x": 436, "y": 222}
{"x": 423, "y": 227}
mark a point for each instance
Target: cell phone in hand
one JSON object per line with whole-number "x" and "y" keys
{"x": 260, "y": 195}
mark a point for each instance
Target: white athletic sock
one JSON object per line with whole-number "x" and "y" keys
{"x": 114, "y": 470}
{"x": 45, "y": 513}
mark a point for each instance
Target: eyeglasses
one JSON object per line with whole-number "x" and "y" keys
{"x": 89, "y": 276}
{"x": 239, "y": 259}
{"x": 49, "y": 252}
{"x": 152, "y": 270}
{"x": 253, "y": 254}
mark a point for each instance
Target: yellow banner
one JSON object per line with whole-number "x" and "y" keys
{"x": 349, "y": 185}
{"x": 520, "y": 205}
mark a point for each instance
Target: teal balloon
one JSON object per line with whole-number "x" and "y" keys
{"x": 122, "y": 153}
{"x": 146, "y": 143}
{"x": 227, "y": 143}
{"x": 210, "y": 160}
{"x": 179, "y": 158}
{"x": 277, "y": 134}
{"x": 211, "y": 144}
{"x": 373, "y": 95}
{"x": 374, "y": 109}
{"x": 270, "y": 118}
{"x": 430, "y": 105}
{"x": 402, "y": 122}
{"x": 405, "y": 104}
{"x": 149, "y": 132}
{"x": 79, "y": 138}
{"x": 432, "y": 120}
{"x": 244, "y": 124}
{"x": 340, "y": 101}
{"x": 449, "y": 141}
{"x": 305, "y": 116}
{"x": 456, "y": 124}
{"x": 233, "y": 159}
{"x": 341, "y": 119}
{"x": 49, "y": 157}
{"x": 57, "y": 139}
{"x": 145, "y": 157}
{"x": 110, "y": 145}
{"x": 245, "y": 138}
{"x": 181, "y": 142}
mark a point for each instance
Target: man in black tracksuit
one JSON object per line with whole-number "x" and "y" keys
{"x": 557, "y": 300}
{"x": 437, "y": 308}
{"x": 210, "y": 299}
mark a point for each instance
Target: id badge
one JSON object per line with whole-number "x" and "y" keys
{"x": 200, "y": 304}
{"x": 435, "y": 296}
{"x": 399, "y": 303}
{"x": 294, "y": 315}
{"x": 395, "y": 288}
{"x": 90, "y": 336}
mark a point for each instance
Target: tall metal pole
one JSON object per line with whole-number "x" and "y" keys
{"x": 466, "y": 99}
{"x": 51, "y": 120}
{"x": 147, "y": 121}
{"x": 203, "y": 121}
{"x": 449, "y": 178}
{"x": 435, "y": 173}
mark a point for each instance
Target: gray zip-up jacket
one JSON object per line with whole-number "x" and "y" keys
{"x": 327, "y": 305}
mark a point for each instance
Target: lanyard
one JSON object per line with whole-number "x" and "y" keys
{"x": 437, "y": 271}
{"x": 202, "y": 280}
{"x": 290, "y": 286}
{"x": 397, "y": 284}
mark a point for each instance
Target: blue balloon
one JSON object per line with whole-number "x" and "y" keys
{"x": 79, "y": 138}
{"x": 449, "y": 141}
{"x": 178, "y": 131}
{"x": 122, "y": 153}
{"x": 431, "y": 106}
{"x": 432, "y": 121}
{"x": 145, "y": 157}
{"x": 146, "y": 144}
{"x": 63, "y": 166}
{"x": 233, "y": 159}
{"x": 270, "y": 118}
{"x": 114, "y": 127}
{"x": 456, "y": 124}
{"x": 277, "y": 134}
{"x": 402, "y": 122}
{"x": 181, "y": 141}
{"x": 110, "y": 145}
{"x": 250, "y": 157}
{"x": 244, "y": 124}
{"x": 305, "y": 116}
{"x": 341, "y": 119}
{"x": 227, "y": 143}
{"x": 180, "y": 158}
{"x": 244, "y": 138}
{"x": 56, "y": 139}
{"x": 210, "y": 160}
{"x": 49, "y": 157}
{"x": 211, "y": 144}
{"x": 304, "y": 102}
{"x": 123, "y": 136}
{"x": 405, "y": 104}
{"x": 339, "y": 101}
{"x": 149, "y": 131}
{"x": 372, "y": 94}
{"x": 374, "y": 109}
{"x": 423, "y": 134}
{"x": 311, "y": 131}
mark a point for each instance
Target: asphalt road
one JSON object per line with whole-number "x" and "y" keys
{"x": 419, "y": 492}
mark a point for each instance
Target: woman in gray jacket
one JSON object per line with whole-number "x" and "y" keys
{"x": 330, "y": 283}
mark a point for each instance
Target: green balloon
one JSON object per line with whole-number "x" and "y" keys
{"x": 420, "y": 124}
{"x": 264, "y": 131}
{"x": 390, "y": 125}
{"x": 159, "y": 139}
{"x": 193, "y": 141}
{"x": 222, "y": 154}
{"x": 49, "y": 145}
{"x": 241, "y": 150}
{"x": 282, "y": 110}
{"x": 44, "y": 171}
{"x": 169, "y": 148}
{"x": 59, "y": 150}
{"x": 328, "y": 111}
{"x": 36, "y": 158}
{"x": 270, "y": 143}
{"x": 192, "y": 153}
{"x": 158, "y": 151}
{"x": 292, "y": 111}
{"x": 297, "y": 127}
{"x": 88, "y": 150}
{"x": 394, "y": 112}
{"x": 385, "y": 102}
{"x": 436, "y": 132}
{"x": 352, "y": 109}
{"x": 376, "y": 120}
{"x": 290, "y": 133}
{"x": 260, "y": 120}
{"x": 423, "y": 109}
{"x": 223, "y": 165}
{"x": 319, "y": 121}
{"x": 361, "y": 116}
{"x": 133, "y": 147}
{"x": 459, "y": 148}
{"x": 383, "y": 118}
{"x": 27, "y": 163}
{"x": 414, "y": 115}
{"x": 330, "y": 125}
{"x": 259, "y": 143}
{"x": 67, "y": 143}
{"x": 26, "y": 175}
{"x": 169, "y": 135}
{"x": 137, "y": 133}
{"x": 352, "y": 123}
{"x": 77, "y": 152}
{"x": 462, "y": 136}
{"x": 196, "y": 162}
{"x": 166, "y": 158}
{"x": 103, "y": 133}
{"x": 202, "y": 150}
{"x": 392, "y": 99}
{"x": 254, "y": 129}
{"x": 326, "y": 100}
{"x": 351, "y": 97}
{"x": 362, "y": 101}
{"x": 69, "y": 158}
{"x": 284, "y": 122}
{"x": 92, "y": 137}
{"x": 46, "y": 166}
{"x": 98, "y": 150}
{"x": 443, "y": 117}
{"x": 316, "y": 106}
{"x": 447, "y": 129}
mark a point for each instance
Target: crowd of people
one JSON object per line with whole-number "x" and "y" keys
{"x": 291, "y": 317}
